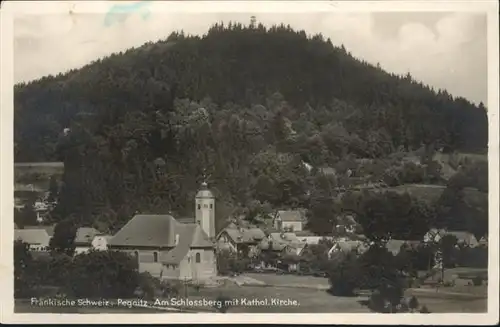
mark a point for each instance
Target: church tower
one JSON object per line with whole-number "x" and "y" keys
{"x": 205, "y": 210}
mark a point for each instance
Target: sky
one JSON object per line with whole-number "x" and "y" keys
{"x": 444, "y": 50}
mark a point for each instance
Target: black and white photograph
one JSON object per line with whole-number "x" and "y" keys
{"x": 251, "y": 157}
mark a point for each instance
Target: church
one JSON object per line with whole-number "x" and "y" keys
{"x": 170, "y": 248}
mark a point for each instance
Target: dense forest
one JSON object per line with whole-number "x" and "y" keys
{"x": 244, "y": 105}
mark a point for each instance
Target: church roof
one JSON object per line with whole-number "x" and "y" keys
{"x": 160, "y": 231}
{"x": 190, "y": 236}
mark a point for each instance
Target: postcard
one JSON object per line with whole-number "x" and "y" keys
{"x": 299, "y": 162}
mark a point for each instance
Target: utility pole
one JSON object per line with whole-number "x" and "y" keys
{"x": 185, "y": 287}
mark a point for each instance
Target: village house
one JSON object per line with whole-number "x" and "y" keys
{"x": 284, "y": 243}
{"x": 311, "y": 238}
{"x": 344, "y": 245}
{"x": 483, "y": 241}
{"x": 289, "y": 220}
{"x": 327, "y": 171}
{"x": 169, "y": 249}
{"x": 463, "y": 238}
{"x": 37, "y": 239}
{"x": 83, "y": 239}
{"x": 48, "y": 228}
{"x": 241, "y": 240}
{"x": 100, "y": 242}
{"x": 395, "y": 246}
{"x": 434, "y": 235}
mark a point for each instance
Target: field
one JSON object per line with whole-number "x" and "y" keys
{"x": 308, "y": 300}
{"x": 36, "y": 175}
{"x": 433, "y": 192}
{"x": 304, "y": 290}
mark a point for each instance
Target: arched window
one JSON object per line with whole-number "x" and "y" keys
{"x": 155, "y": 256}
{"x": 199, "y": 206}
{"x": 198, "y": 257}
{"x": 211, "y": 206}
{"x": 136, "y": 254}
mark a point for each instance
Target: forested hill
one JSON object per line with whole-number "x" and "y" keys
{"x": 244, "y": 65}
{"x": 244, "y": 96}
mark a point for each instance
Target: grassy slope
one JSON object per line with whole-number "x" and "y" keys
{"x": 38, "y": 174}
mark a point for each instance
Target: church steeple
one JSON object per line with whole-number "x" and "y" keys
{"x": 205, "y": 209}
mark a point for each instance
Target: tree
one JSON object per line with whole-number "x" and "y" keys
{"x": 26, "y": 216}
{"x": 108, "y": 274}
{"x": 64, "y": 238}
{"x": 391, "y": 215}
{"x": 24, "y": 283}
{"x": 447, "y": 245}
{"x": 346, "y": 276}
{"x": 413, "y": 303}
{"x": 424, "y": 309}
{"x": 177, "y": 109}
{"x": 53, "y": 189}
{"x": 323, "y": 209}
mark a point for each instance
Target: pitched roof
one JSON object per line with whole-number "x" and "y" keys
{"x": 85, "y": 235}
{"x": 32, "y": 236}
{"x": 104, "y": 236}
{"x": 200, "y": 238}
{"x": 48, "y": 228}
{"x": 304, "y": 233}
{"x": 190, "y": 235}
{"x": 394, "y": 246}
{"x": 314, "y": 239}
{"x": 18, "y": 187}
{"x": 327, "y": 170}
{"x": 281, "y": 240}
{"x": 147, "y": 230}
{"x": 435, "y": 231}
{"x": 290, "y": 215}
{"x": 348, "y": 245}
{"x": 245, "y": 235}
{"x": 465, "y": 237}
{"x": 179, "y": 252}
{"x": 160, "y": 231}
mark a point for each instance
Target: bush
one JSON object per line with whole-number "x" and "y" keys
{"x": 424, "y": 309}
{"x": 148, "y": 285}
{"x": 24, "y": 272}
{"x": 413, "y": 303}
{"x": 477, "y": 281}
{"x": 377, "y": 302}
{"x": 228, "y": 263}
{"x": 108, "y": 274}
{"x": 345, "y": 277}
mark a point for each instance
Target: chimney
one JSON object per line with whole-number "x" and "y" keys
{"x": 176, "y": 239}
